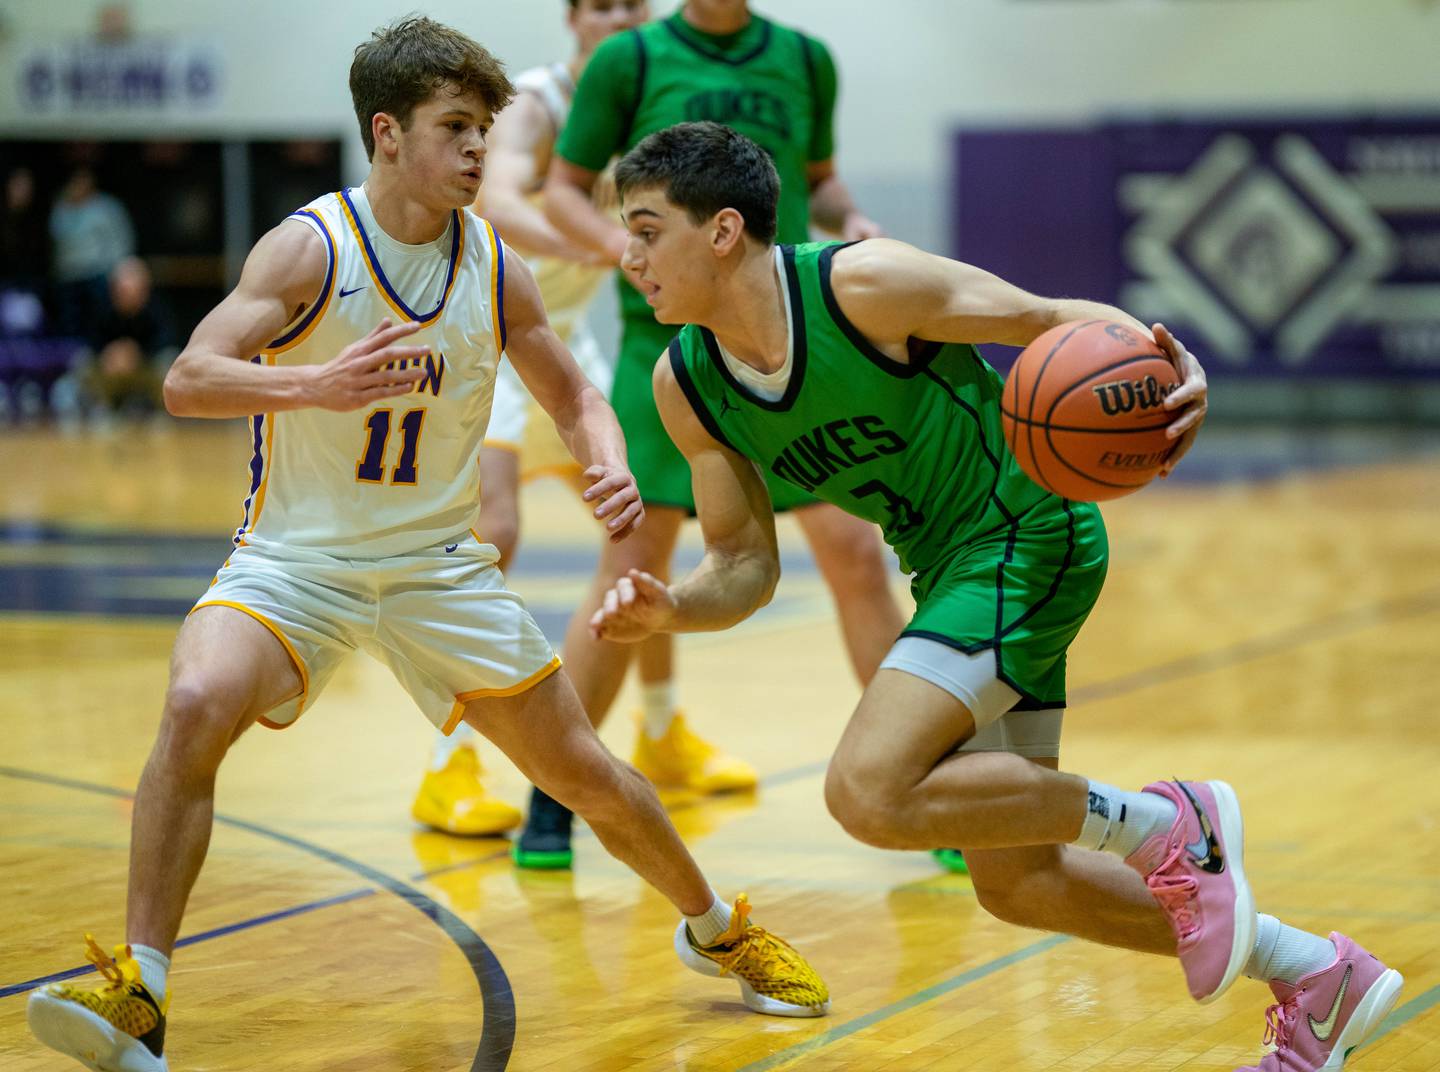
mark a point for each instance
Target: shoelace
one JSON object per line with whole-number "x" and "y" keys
{"x": 1175, "y": 891}
{"x": 1280, "y": 1022}
{"x": 752, "y": 949}
{"x": 112, "y": 972}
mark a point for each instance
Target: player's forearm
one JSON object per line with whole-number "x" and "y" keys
{"x": 590, "y": 431}
{"x": 1066, "y": 310}
{"x": 201, "y": 384}
{"x": 525, "y": 227}
{"x": 723, "y": 590}
{"x": 831, "y": 204}
{"x": 572, "y": 213}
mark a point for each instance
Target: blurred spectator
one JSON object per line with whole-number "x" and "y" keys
{"x": 134, "y": 344}
{"x": 91, "y": 233}
{"x": 24, "y": 245}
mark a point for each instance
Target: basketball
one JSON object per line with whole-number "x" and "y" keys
{"x": 1083, "y": 410}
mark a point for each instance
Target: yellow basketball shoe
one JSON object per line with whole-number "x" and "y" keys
{"x": 453, "y": 799}
{"x": 683, "y": 760}
{"x": 773, "y": 977}
{"x": 118, "y": 1027}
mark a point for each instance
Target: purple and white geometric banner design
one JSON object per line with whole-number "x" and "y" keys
{"x": 1302, "y": 248}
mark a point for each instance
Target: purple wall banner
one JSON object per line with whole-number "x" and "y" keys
{"x": 1301, "y": 248}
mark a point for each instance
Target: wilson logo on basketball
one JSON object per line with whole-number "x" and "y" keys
{"x": 1124, "y": 396}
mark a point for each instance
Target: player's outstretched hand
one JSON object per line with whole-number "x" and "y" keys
{"x": 612, "y": 488}
{"x": 637, "y": 606}
{"x": 1189, "y": 399}
{"x": 357, "y": 376}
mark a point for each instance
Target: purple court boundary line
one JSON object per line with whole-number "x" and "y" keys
{"x": 497, "y": 1032}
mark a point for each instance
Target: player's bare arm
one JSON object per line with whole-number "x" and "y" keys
{"x": 741, "y": 566}
{"x": 569, "y": 206}
{"x": 214, "y": 376}
{"x": 517, "y": 150}
{"x": 585, "y": 421}
{"x": 831, "y": 206}
{"x": 893, "y": 292}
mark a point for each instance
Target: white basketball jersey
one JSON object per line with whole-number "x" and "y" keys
{"x": 566, "y": 286}
{"x": 401, "y": 475}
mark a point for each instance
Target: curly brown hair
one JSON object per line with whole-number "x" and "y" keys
{"x": 404, "y": 63}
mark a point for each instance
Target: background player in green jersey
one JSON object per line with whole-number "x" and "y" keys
{"x": 718, "y": 60}
{"x": 847, "y": 369}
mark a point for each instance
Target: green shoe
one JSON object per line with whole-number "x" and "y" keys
{"x": 544, "y": 844}
{"x": 951, "y": 860}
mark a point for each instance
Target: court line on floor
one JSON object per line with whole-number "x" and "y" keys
{"x": 920, "y": 997}
{"x": 497, "y": 1033}
{"x": 1415, "y": 1007}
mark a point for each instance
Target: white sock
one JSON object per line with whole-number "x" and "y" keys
{"x": 1119, "y": 821}
{"x": 1287, "y": 954}
{"x": 461, "y": 737}
{"x": 154, "y": 969}
{"x": 657, "y": 703}
{"x": 708, "y": 927}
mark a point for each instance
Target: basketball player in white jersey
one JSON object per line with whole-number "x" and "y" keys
{"x": 367, "y": 328}
{"x": 521, "y": 443}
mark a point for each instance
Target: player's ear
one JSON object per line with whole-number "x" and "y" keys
{"x": 727, "y": 230}
{"x": 384, "y": 128}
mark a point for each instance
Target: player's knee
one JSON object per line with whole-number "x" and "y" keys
{"x": 868, "y": 810}
{"x": 857, "y": 564}
{"x": 198, "y": 724}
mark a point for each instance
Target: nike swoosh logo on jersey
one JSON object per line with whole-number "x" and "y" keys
{"x": 1323, "y": 1028}
{"x": 346, "y": 293}
{"x": 450, "y": 547}
{"x": 1206, "y": 851}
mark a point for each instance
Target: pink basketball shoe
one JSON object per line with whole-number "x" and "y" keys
{"x": 1196, "y": 872}
{"x": 1316, "y": 1023}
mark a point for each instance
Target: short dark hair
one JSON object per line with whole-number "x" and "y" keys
{"x": 703, "y": 168}
{"x": 404, "y": 63}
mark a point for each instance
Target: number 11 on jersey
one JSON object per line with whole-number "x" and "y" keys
{"x": 371, "y": 467}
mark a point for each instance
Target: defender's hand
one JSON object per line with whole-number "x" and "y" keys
{"x": 1190, "y": 399}
{"x": 612, "y": 488}
{"x": 357, "y": 376}
{"x": 637, "y": 606}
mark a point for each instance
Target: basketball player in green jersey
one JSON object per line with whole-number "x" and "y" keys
{"x": 847, "y": 370}
{"x": 718, "y": 60}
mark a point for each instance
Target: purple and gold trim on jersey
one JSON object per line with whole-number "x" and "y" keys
{"x": 306, "y": 324}
{"x": 372, "y": 263}
{"x": 497, "y": 285}
{"x": 262, "y": 434}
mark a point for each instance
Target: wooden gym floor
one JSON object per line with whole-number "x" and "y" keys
{"x": 1273, "y": 619}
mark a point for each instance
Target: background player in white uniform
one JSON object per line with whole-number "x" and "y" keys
{"x": 521, "y": 442}
{"x": 358, "y": 530}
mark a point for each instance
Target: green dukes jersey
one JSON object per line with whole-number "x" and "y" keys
{"x": 773, "y": 84}
{"x": 915, "y": 447}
